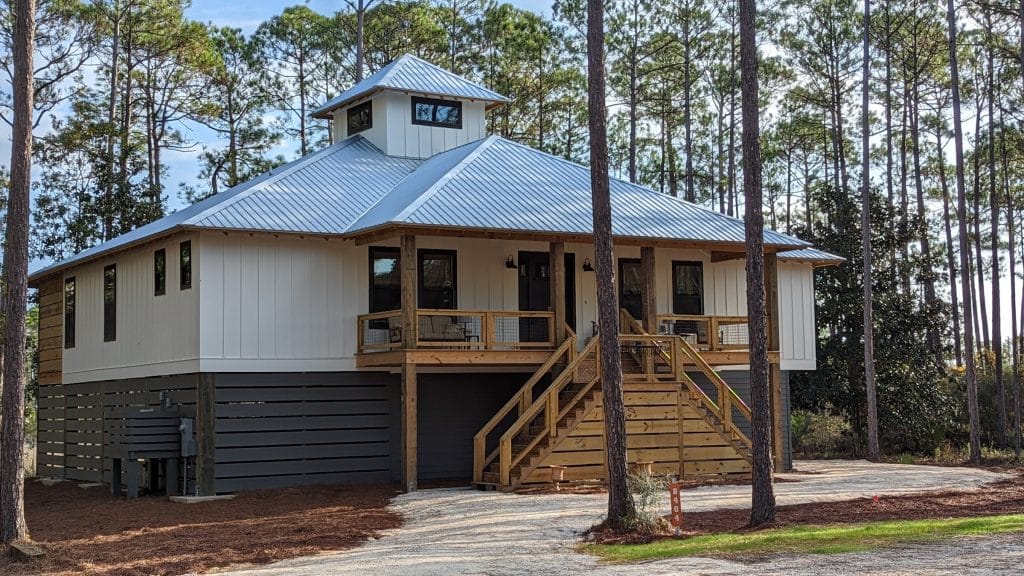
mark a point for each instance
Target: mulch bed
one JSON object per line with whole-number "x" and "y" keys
{"x": 998, "y": 498}
{"x": 86, "y": 531}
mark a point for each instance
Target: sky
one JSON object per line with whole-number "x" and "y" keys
{"x": 247, "y": 15}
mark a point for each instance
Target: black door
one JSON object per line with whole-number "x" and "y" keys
{"x": 688, "y": 288}
{"x": 631, "y": 287}
{"x": 535, "y": 293}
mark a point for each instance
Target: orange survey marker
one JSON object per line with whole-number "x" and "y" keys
{"x": 674, "y": 490}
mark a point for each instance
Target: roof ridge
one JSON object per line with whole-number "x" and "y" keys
{"x": 422, "y": 197}
{"x": 644, "y": 188}
{"x": 452, "y": 172}
{"x": 271, "y": 177}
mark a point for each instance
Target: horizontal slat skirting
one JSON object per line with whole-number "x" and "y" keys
{"x": 294, "y": 437}
{"x": 301, "y": 452}
{"x": 329, "y": 465}
{"x": 265, "y": 482}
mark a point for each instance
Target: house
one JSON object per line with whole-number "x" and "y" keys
{"x": 416, "y": 301}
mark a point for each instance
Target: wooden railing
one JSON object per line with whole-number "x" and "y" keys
{"x": 460, "y": 329}
{"x": 681, "y": 350}
{"x": 713, "y": 333}
{"x": 519, "y": 404}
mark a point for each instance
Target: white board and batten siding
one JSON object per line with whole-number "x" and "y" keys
{"x": 280, "y": 304}
{"x": 393, "y": 132}
{"x": 155, "y": 334}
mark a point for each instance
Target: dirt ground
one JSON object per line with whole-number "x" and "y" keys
{"x": 998, "y": 498}
{"x": 85, "y": 531}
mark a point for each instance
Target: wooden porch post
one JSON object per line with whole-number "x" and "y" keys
{"x": 409, "y": 393}
{"x": 771, "y": 270}
{"x": 649, "y": 290}
{"x": 206, "y": 420}
{"x": 557, "y": 261}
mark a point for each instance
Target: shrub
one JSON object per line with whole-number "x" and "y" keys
{"x": 821, "y": 435}
{"x": 648, "y": 489}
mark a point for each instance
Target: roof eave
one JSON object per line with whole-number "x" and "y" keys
{"x": 326, "y": 112}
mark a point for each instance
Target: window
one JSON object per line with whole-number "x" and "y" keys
{"x": 110, "y": 303}
{"x": 385, "y": 280}
{"x": 160, "y": 272}
{"x": 631, "y": 287}
{"x": 69, "y": 312}
{"x": 437, "y": 279}
{"x": 360, "y": 117}
{"x": 431, "y": 112}
{"x": 688, "y": 288}
{"x": 185, "y": 260}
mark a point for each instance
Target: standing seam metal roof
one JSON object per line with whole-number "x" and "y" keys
{"x": 411, "y": 74}
{"x": 498, "y": 184}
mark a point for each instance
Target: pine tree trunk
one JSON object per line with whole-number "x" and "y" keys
{"x": 997, "y": 336}
{"x": 874, "y": 453}
{"x": 620, "y": 501}
{"x": 15, "y": 275}
{"x": 950, "y": 258}
{"x": 924, "y": 236}
{"x": 1014, "y": 342}
{"x": 360, "y": 40}
{"x": 965, "y": 279}
{"x": 979, "y": 259}
{"x": 762, "y": 507}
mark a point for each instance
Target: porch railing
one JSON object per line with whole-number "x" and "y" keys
{"x": 708, "y": 333}
{"x": 459, "y": 329}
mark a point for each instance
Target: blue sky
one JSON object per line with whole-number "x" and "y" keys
{"x": 247, "y": 14}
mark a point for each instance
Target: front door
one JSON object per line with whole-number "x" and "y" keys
{"x": 535, "y": 293}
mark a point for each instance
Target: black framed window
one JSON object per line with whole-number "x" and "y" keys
{"x": 360, "y": 117}
{"x": 385, "y": 279}
{"x": 631, "y": 285}
{"x": 437, "y": 282}
{"x": 110, "y": 303}
{"x": 688, "y": 288}
{"x": 433, "y": 112}
{"x": 69, "y": 312}
{"x": 185, "y": 261}
{"x": 160, "y": 272}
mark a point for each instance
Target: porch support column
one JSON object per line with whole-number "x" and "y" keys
{"x": 557, "y": 261}
{"x": 771, "y": 282}
{"x": 409, "y": 393}
{"x": 649, "y": 290}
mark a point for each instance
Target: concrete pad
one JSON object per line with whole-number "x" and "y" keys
{"x": 200, "y": 499}
{"x": 50, "y": 481}
{"x": 91, "y": 484}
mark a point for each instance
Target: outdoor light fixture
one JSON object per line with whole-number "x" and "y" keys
{"x": 587, "y": 266}
{"x": 509, "y": 262}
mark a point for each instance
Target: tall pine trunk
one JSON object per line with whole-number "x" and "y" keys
{"x": 865, "y": 159}
{"x": 762, "y": 507}
{"x": 997, "y": 335}
{"x": 620, "y": 500}
{"x": 965, "y": 274}
{"x": 15, "y": 275}
{"x": 950, "y": 257}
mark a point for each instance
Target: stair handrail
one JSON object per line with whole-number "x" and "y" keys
{"x": 521, "y": 399}
{"x": 547, "y": 400}
{"x": 727, "y": 397}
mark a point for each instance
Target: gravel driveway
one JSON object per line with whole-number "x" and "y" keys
{"x": 464, "y": 531}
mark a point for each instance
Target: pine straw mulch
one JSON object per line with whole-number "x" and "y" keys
{"x": 998, "y": 498}
{"x": 86, "y": 531}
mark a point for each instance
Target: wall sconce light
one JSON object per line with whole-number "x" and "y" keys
{"x": 509, "y": 262}
{"x": 587, "y": 266}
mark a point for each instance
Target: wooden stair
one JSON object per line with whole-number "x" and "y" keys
{"x": 545, "y": 421}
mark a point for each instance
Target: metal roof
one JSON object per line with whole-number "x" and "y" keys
{"x": 322, "y": 192}
{"x": 501, "y": 185}
{"x": 411, "y": 74}
{"x": 813, "y": 255}
{"x": 492, "y": 184}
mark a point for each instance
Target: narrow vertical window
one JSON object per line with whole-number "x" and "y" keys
{"x": 160, "y": 272}
{"x": 185, "y": 259}
{"x": 110, "y": 303}
{"x": 69, "y": 312}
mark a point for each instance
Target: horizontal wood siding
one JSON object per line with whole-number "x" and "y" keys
{"x": 652, "y": 435}
{"x": 50, "y": 408}
{"x": 275, "y": 430}
{"x": 71, "y": 416}
{"x": 452, "y": 409}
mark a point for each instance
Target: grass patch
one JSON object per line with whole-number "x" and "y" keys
{"x": 831, "y": 539}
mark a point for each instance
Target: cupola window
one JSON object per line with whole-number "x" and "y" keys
{"x": 431, "y": 112}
